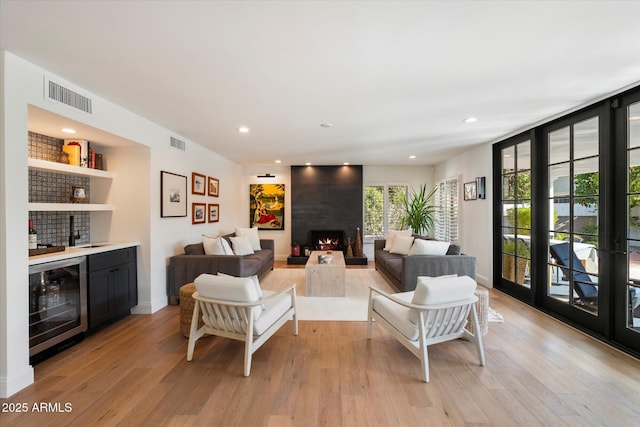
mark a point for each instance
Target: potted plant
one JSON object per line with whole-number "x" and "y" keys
{"x": 418, "y": 210}
{"x": 515, "y": 257}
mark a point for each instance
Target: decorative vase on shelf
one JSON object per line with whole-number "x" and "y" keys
{"x": 357, "y": 246}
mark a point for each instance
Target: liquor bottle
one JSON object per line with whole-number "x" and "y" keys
{"x": 42, "y": 296}
{"x": 33, "y": 236}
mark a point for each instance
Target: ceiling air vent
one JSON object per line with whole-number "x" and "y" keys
{"x": 176, "y": 143}
{"x": 56, "y": 92}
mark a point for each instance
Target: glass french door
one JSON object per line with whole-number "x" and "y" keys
{"x": 626, "y": 233}
{"x": 577, "y": 286}
{"x": 567, "y": 219}
{"x": 516, "y": 206}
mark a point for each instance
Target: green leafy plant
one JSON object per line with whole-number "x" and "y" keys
{"x": 419, "y": 213}
{"x": 514, "y": 247}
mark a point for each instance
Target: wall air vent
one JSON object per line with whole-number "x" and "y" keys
{"x": 56, "y": 92}
{"x": 176, "y": 143}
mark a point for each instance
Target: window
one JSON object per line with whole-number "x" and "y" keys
{"x": 382, "y": 210}
{"x": 446, "y": 226}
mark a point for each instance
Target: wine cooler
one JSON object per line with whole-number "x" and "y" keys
{"x": 57, "y": 302}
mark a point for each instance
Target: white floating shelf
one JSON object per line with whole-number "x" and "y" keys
{"x": 69, "y": 207}
{"x": 46, "y": 165}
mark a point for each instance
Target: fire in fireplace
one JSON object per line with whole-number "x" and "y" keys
{"x": 327, "y": 240}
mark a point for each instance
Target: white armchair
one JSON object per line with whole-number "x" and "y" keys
{"x": 435, "y": 312}
{"x": 236, "y": 308}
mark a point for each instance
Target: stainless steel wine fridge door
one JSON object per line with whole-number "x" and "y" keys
{"x": 57, "y": 302}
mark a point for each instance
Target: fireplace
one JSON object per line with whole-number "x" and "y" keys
{"x": 327, "y": 240}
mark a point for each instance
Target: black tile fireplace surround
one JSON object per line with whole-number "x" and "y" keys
{"x": 325, "y": 199}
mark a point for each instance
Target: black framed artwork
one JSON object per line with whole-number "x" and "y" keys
{"x": 173, "y": 195}
{"x": 470, "y": 190}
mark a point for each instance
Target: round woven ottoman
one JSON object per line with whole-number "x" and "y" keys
{"x": 482, "y": 308}
{"x": 186, "y": 308}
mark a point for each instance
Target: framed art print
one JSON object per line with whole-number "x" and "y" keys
{"x": 214, "y": 212}
{"x": 198, "y": 213}
{"x": 214, "y": 186}
{"x": 266, "y": 206}
{"x": 173, "y": 195}
{"x": 470, "y": 190}
{"x": 198, "y": 183}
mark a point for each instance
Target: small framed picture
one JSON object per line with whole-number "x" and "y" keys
{"x": 214, "y": 212}
{"x": 198, "y": 213}
{"x": 198, "y": 183}
{"x": 470, "y": 190}
{"x": 79, "y": 193}
{"x": 214, "y": 186}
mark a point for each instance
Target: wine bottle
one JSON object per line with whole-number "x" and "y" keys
{"x": 33, "y": 236}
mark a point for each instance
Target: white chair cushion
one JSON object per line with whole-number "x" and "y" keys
{"x": 213, "y": 245}
{"x": 254, "y": 278}
{"x": 271, "y": 312}
{"x": 391, "y": 234}
{"x": 440, "y": 290}
{"x": 229, "y": 288}
{"x": 397, "y": 315}
{"x": 252, "y": 234}
{"x": 401, "y": 245}
{"x": 241, "y": 245}
{"x": 429, "y": 247}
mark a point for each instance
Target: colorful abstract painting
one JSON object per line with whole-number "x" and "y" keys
{"x": 266, "y": 206}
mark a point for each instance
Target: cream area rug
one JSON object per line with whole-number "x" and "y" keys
{"x": 353, "y": 307}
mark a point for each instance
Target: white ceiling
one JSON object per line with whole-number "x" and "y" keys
{"x": 394, "y": 78}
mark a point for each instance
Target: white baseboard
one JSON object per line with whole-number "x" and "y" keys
{"x": 10, "y": 386}
{"x": 484, "y": 281}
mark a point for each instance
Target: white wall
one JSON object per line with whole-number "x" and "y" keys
{"x": 137, "y": 202}
{"x": 413, "y": 176}
{"x": 474, "y": 215}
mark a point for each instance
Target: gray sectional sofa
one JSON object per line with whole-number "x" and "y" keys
{"x": 403, "y": 270}
{"x": 186, "y": 267}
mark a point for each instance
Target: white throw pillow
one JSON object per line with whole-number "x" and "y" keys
{"x": 440, "y": 290}
{"x": 252, "y": 234}
{"x": 241, "y": 245}
{"x": 226, "y": 246}
{"x": 213, "y": 245}
{"x": 429, "y": 247}
{"x": 391, "y": 235}
{"x": 401, "y": 244}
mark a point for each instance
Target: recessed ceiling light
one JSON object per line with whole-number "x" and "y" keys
{"x": 308, "y": 163}
{"x": 470, "y": 119}
{"x": 68, "y": 130}
{"x": 346, "y": 163}
{"x": 326, "y": 125}
{"x": 413, "y": 156}
{"x": 278, "y": 161}
{"x": 243, "y": 129}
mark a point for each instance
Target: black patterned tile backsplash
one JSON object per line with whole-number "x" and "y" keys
{"x": 49, "y": 187}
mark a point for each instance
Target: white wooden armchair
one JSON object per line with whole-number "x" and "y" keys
{"x": 435, "y": 312}
{"x": 236, "y": 308}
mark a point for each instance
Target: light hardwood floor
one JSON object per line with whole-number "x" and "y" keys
{"x": 538, "y": 372}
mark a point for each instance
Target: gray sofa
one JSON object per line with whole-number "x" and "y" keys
{"x": 186, "y": 267}
{"x": 403, "y": 270}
